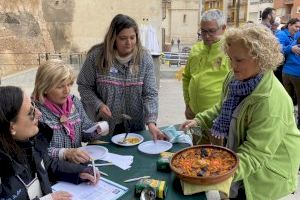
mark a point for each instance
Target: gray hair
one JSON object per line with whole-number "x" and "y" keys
{"x": 214, "y": 14}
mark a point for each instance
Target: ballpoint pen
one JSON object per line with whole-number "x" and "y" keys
{"x": 98, "y": 142}
{"x": 94, "y": 168}
{"x": 135, "y": 179}
{"x": 102, "y": 164}
{"x": 103, "y": 173}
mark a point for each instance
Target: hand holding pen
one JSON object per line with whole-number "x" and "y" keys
{"x": 94, "y": 169}
{"x": 90, "y": 174}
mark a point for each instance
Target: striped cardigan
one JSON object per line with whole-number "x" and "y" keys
{"x": 135, "y": 94}
{"x": 60, "y": 138}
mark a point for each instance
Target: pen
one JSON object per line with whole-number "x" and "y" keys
{"x": 94, "y": 168}
{"x": 102, "y": 164}
{"x": 98, "y": 142}
{"x": 136, "y": 179}
{"x": 103, "y": 173}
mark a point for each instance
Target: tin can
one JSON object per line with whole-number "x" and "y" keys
{"x": 148, "y": 194}
{"x": 159, "y": 186}
{"x": 163, "y": 162}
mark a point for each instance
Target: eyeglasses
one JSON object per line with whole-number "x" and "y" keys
{"x": 210, "y": 32}
{"x": 31, "y": 113}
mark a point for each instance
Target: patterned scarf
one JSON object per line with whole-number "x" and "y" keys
{"x": 63, "y": 113}
{"x": 238, "y": 90}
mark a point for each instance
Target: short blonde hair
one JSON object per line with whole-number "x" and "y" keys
{"x": 260, "y": 42}
{"x": 50, "y": 74}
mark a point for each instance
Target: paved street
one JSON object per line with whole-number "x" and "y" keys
{"x": 171, "y": 106}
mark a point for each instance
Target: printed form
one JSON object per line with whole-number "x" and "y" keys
{"x": 103, "y": 190}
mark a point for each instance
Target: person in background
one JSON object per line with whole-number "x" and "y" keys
{"x": 274, "y": 27}
{"x": 63, "y": 112}
{"x": 178, "y": 44}
{"x": 199, "y": 37}
{"x": 286, "y": 38}
{"x": 118, "y": 78}
{"x": 26, "y": 170}
{"x": 207, "y": 66}
{"x": 255, "y": 117}
{"x": 291, "y": 67}
{"x": 268, "y": 17}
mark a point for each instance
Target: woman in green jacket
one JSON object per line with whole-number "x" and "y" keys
{"x": 255, "y": 117}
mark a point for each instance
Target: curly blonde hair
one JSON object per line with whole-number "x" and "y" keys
{"x": 260, "y": 42}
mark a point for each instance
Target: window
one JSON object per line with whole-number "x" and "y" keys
{"x": 184, "y": 18}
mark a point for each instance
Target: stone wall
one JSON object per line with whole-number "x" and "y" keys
{"x": 32, "y": 28}
{"x": 22, "y": 35}
{"x": 182, "y": 21}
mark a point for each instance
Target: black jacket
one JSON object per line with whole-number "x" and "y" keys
{"x": 46, "y": 167}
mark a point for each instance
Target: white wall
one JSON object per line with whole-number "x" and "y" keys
{"x": 92, "y": 18}
{"x": 254, "y": 10}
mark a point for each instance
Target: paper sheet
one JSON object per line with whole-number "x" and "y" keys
{"x": 124, "y": 162}
{"x": 101, "y": 153}
{"x": 103, "y": 190}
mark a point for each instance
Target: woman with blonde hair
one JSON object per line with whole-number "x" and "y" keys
{"x": 255, "y": 117}
{"x": 117, "y": 78}
{"x": 62, "y": 111}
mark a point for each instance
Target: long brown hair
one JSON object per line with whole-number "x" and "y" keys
{"x": 105, "y": 59}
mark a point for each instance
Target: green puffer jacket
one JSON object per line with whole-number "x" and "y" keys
{"x": 268, "y": 140}
{"x": 203, "y": 76}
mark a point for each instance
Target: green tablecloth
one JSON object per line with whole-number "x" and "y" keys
{"x": 145, "y": 165}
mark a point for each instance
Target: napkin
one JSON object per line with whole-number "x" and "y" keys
{"x": 177, "y": 136}
{"x": 103, "y": 126}
{"x": 189, "y": 188}
{"x": 124, "y": 162}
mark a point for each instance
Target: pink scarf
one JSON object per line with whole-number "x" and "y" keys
{"x": 63, "y": 112}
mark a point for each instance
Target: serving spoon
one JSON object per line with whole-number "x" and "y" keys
{"x": 125, "y": 118}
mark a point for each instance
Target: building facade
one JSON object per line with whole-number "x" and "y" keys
{"x": 256, "y": 8}
{"x": 287, "y": 9}
{"x": 181, "y": 20}
{"x": 237, "y": 12}
{"x": 216, "y": 4}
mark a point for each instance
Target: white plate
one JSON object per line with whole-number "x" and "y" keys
{"x": 95, "y": 151}
{"x": 159, "y": 146}
{"x": 117, "y": 139}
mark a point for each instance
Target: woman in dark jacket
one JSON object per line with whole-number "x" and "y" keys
{"x": 25, "y": 167}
